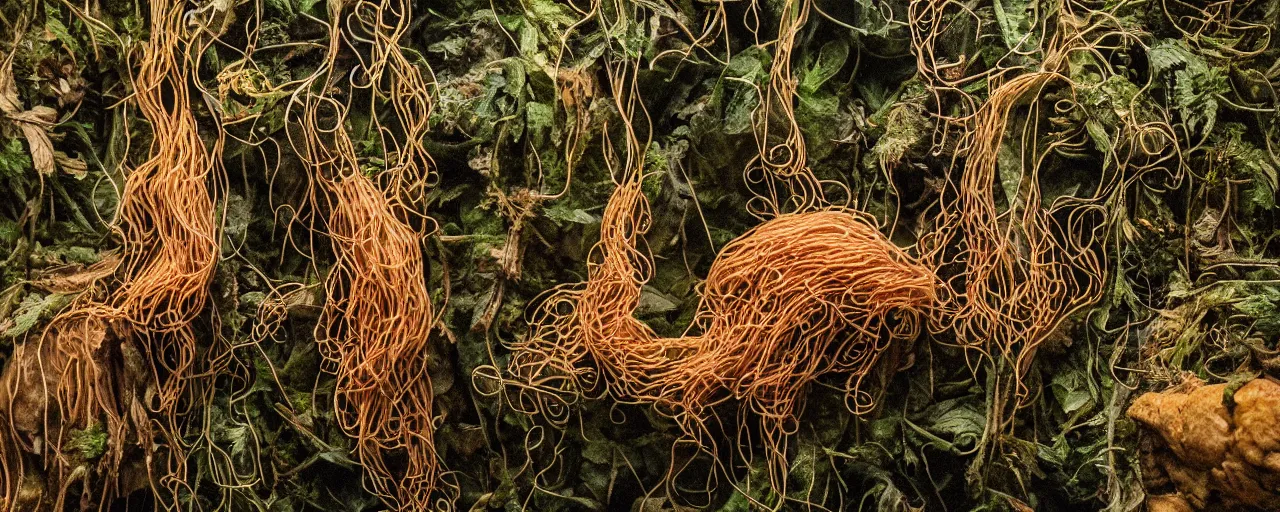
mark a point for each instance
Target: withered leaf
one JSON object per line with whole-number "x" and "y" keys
{"x": 71, "y": 165}
{"x": 41, "y": 147}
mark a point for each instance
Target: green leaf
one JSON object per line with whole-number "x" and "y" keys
{"x": 1169, "y": 54}
{"x": 308, "y": 6}
{"x": 59, "y": 31}
{"x": 958, "y": 418}
{"x": 1197, "y": 85}
{"x": 9, "y": 232}
{"x": 1263, "y": 307}
{"x": 451, "y": 47}
{"x": 563, "y": 214}
{"x": 15, "y": 162}
{"x": 1009, "y": 164}
{"x": 239, "y": 214}
{"x": 1071, "y": 388}
{"x": 553, "y": 15}
{"x": 905, "y": 129}
{"x": 1011, "y": 15}
{"x": 338, "y": 457}
{"x": 831, "y": 58}
{"x": 1196, "y": 95}
{"x": 528, "y": 39}
{"x": 91, "y": 443}
{"x": 34, "y": 307}
{"x": 743, "y": 77}
{"x": 539, "y": 117}
{"x": 738, "y": 115}
{"x": 823, "y": 122}
{"x": 654, "y": 302}
{"x": 1101, "y": 139}
{"x": 599, "y": 452}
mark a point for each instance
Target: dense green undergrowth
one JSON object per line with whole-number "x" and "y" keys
{"x": 522, "y": 97}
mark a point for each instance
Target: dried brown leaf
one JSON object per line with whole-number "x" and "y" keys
{"x": 76, "y": 278}
{"x": 33, "y": 122}
{"x": 41, "y": 147}
{"x": 71, "y": 165}
{"x": 9, "y": 101}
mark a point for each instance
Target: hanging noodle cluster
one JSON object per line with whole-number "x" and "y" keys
{"x": 1013, "y": 273}
{"x": 170, "y": 234}
{"x": 1017, "y": 285}
{"x": 90, "y": 359}
{"x": 375, "y": 325}
{"x": 798, "y": 297}
{"x": 1016, "y": 273}
{"x": 781, "y": 164}
{"x": 391, "y": 77}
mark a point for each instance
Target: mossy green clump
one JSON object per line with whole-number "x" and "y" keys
{"x": 90, "y": 443}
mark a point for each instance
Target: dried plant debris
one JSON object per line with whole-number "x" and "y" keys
{"x": 1219, "y": 445}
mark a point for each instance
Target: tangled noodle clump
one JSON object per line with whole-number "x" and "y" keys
{"x": 124, "y": 361}
{"x": 376, "y": 324}
{"x": 796, "y": 298}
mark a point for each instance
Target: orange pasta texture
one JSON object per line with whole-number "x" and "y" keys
{"x": 796, "y": 298}
{"x": 376, "y": 324}
{"x": 123, "y": 360}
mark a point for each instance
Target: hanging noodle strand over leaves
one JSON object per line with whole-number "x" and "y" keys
{"x": 375, "y": 326}
{"x": 91, "y": 358}
{"x": 797, "y": 298}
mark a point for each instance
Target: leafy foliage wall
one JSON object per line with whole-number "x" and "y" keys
{"x": 1136, "y": 139}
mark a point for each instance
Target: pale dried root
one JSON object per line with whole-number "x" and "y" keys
{"x": 1221, "y": 447}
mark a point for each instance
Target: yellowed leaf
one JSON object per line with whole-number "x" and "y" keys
{"x": 9, "y": 101}
{"x": 41, "y": 147}
{"x": 76, "y": 278}
{"x": 71, "y": 165}
{"x": 33, "y": 124}
{"x": 41, "y": 115}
